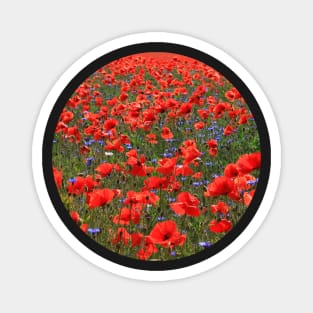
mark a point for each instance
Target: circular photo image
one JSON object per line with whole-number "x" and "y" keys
{"x": 156, "y": 156}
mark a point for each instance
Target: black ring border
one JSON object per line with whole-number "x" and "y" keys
{"x": 156, "y": 47}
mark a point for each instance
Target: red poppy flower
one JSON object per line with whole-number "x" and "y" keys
{"x": 99, "y": 197}
{"x": 141, "y": 197}
{"x": 80, "y": 184}
{"x": 197, "y": 175}
{"x": 183, "y": 170}
{"x": 105, "y": 169}
{"x": 151, "y": 138}
{"x": 248, "y": 162}
{"x": 212, "y": 143}
{"x": 232, "y": 94}
{"x": 231, "y": 170}
{"x": 66, "y": 116}
{"x": 136, "y": 239}
{"x": 110, "y": 123}
{"x": 242, "y": 182}
{"x": 124, "y": 139}
{"x": 186, "y": 204}
{"x": 220, "y": 227}
{"x": 228, "y": 130}
{"x": 112, "y": 102}
{"x": 220, "y": 207}
{"x": 155, "y": 183}
{"x": 115, "y": 145}
{"x": 185, "y": 108}
{"x": 73, "y": 134}
{"x": 213, "y": 152}
{"x": 57, "y": 177}
{"x": 167, "y": 235}
{"x": 132, "y": 153}
{"x": 248, "y": 196}
{"x": 75, "y": 216}
{"x": 61, "y": 127}
{"x": 243, "y": 119}
{"x": 127, "y": 215}
{"x": 138, "y": 164}
{"x": 149, "y": 248}
{"x": 122, "y": 235}
{"x": 189, "y": 151}
{"x": 219, "y": 110}
{"x": 199, "y": 125}
{"x": 84, "y": 227}
{"x": 167, "y": 166}
{"x": 89, "y": 183}
{"x": 123, "y": 96}
{"x": 204, "y": 113}
{"x": 166, "y": 133}
{"x": 76, "y": 187}
{"x": 220, "y": 186}
{"x": 84, "y": 149}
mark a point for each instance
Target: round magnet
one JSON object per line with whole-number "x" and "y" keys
{"x": 156, "y": 156}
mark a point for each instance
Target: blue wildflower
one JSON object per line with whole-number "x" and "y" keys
{"x": 89, "y": 161}
{"x": 205, "y": 244}
{"x": 94, "y": 230}
{"x": 161, "y": 218}
{"x": 167, "y": 155}
{"x": 196, "y": 184}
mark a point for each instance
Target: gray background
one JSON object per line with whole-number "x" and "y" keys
{"x": 39, "y": 40}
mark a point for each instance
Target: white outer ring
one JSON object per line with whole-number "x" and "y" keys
{"x": 144, "y": 274}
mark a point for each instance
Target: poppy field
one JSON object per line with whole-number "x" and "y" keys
{"x": 156, "y": 156}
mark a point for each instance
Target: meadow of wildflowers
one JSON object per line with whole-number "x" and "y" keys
{"x": 156, "y": 156}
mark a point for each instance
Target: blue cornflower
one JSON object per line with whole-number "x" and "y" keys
{"x": 167, "y": 155}
{"x": 173, "y": 253}
{"x": 89, "y": 161}
{"x": 252, "y": 182}
{"x": 72, "y": 180}
{"x": 161, "y": 218}
{"x": 196, "y": 184}
{"x": 89, "y": 142}
{"x": 205, "y": 244}
{"x": 94, "y": 230}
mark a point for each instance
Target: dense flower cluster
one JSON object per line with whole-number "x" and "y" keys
{"x": 156, "y": 156}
